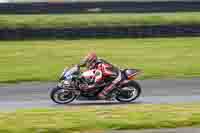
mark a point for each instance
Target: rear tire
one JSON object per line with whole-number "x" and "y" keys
{"x": 60, "y": 96}
{"x": 132, "y": 85}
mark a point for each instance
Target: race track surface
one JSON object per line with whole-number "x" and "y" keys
{"x": 176, "y": 130}
{"x": 35, "y": 95}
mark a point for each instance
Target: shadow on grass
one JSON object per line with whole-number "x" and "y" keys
{"x": 96, "y": 103}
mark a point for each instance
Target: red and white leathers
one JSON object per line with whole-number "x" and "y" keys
{"x": 103, "y": 72}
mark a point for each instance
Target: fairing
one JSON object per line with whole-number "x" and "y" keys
{"x": 131, "y": 73}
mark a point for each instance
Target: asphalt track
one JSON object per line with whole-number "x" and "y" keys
{"x": 35, "y": 95}
{"x": 175, "y": 130}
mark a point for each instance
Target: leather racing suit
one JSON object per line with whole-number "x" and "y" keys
{"x": 105, "y": 71}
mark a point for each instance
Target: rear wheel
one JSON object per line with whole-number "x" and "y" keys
{"x": 61, "y": 96}
{"x": 129, "y": 92}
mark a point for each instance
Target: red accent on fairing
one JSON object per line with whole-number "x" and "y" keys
{"x": 134, "y": 74}
{"x": 131, "y": 78}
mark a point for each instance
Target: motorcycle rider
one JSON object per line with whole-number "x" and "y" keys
{"x": 103, "y": 71}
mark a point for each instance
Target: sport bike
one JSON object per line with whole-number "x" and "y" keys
{"x": 71, "y": 80}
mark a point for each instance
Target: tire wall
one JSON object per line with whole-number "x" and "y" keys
{"x": 101, "y": 32}
{"x": 95, "y": 7}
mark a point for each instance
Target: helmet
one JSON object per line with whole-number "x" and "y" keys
{"x": 90, "y": 60}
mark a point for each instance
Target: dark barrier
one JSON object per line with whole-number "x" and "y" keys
{"x": 70, "y": 33}
{"x": 86, "y": 7}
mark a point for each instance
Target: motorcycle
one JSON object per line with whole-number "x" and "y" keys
{"x": 71, "y": 80}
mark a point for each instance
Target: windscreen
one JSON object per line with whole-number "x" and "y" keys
{"x": 70, "y": 71}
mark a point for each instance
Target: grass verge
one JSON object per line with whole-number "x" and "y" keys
{"x": 95, "y": 20}
{"x": 100, "y": 118}
{"x": 44, "y": 60}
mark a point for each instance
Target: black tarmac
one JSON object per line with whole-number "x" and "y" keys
{"x": 36, "y": 95}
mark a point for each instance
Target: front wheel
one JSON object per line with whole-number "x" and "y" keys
{"x": 61, "y": 96}
{"x": 129, "y": 92}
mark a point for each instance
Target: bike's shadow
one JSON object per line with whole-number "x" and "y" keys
{"x": 98, "y": 103}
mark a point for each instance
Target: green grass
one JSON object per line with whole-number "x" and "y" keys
{"x": 92, "y": 20}
{"x": 100, "y": 118}
{"x": 44, "y": 60}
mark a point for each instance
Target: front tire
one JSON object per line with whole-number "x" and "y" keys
{"x": 130, "y": 92}
{"x": 60, "y": 96}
